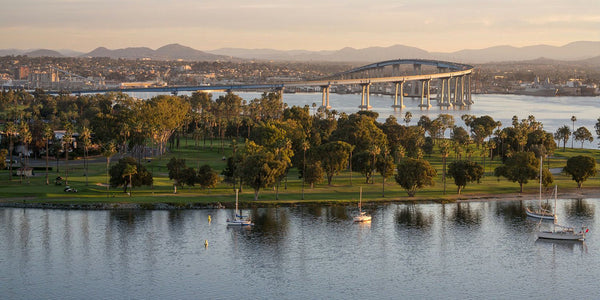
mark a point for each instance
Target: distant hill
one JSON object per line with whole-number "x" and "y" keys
{"x": 168, "y": 52}
{"x": 127, "y": 53}
{"x": 570, "y": 52}
{"x": 43, "y": 53}
{"x": 346, "y": 54}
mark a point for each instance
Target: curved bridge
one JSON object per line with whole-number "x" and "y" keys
{"x": 452, "y": 83}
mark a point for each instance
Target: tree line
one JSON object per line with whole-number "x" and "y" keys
{"x": 273, "y": 138}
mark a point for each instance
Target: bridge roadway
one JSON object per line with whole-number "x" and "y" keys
{"x": 448, "y": 95}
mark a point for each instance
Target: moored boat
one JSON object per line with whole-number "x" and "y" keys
{"x": 238, "y": 219}
{"x": 564, "y": 233}
{"x": 362, "y": 216}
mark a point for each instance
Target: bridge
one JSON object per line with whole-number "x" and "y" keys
{"x": 452, "y": 82}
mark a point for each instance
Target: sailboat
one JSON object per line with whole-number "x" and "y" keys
{"x": 540, "y": 213}
{"x": 560, "y": 232}
{"x": 362, "y": 216}
{"x": 238, "y": 220}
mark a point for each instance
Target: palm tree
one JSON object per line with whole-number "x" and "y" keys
{"x": 67, "y": 140}
{"x": 305, "y": 146}
{"x": 129, "y": 171}
{"x": 10, "y": 129}
{"x": 445, "y": 151}
{"x": 86, "y": 135}
{"x": 407, "y": 117}
{"x": 25, "y": 136}
{"x": 48, "y": 135}
{"x": 109, "y": 150}
{"x": 573, "y": 119}
{"x": 374, "y": 150}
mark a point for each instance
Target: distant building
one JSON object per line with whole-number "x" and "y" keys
{"x": 22, "y": 73}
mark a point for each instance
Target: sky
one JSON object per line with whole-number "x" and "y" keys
{"x": 435, "y": 26}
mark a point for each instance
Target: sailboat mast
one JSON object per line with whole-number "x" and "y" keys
{"x": 540, "y": 196}
{"x": 236, "y": 201}
{"x": 360, "y": 199}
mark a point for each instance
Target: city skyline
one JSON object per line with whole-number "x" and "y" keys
{"x": 444, "y": 26}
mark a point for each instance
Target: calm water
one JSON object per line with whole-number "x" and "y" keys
{"x": 481, "y": 250}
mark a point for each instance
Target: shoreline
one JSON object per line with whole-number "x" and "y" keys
{"x": 573, "y": 193}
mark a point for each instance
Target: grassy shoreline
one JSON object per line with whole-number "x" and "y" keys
{"x": 343, "y": 191}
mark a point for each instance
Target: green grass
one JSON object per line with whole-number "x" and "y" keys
{"x": 344, "y": 188}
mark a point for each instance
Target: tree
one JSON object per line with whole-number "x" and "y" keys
{"x": 305, "y": 146}
{"x": 521, "y": 167}
{"x": 385, "y": 167}
{"x": 414, "y": 174}
{"x": 597, "y": 126}
{"x": 334, "y": 157}
{"x": 25, "y": 137}
{"x": 119, "y": 176}
{"x": 407, "y": 117}
{"x": 129, "y": 171}
{"x": 260, "y": 170}
{"x": 463, "y": 172}
{"x": 562, "y": 134}
{"x": 207, "y": 177}
{"x": 108, "y": 151}
{"x": 10, "y": 129}
{"x": 582, "y": 134}
{"x": 48, "y": 135}
{"x": 67, "y": 141}
{"x": 447, "y": 121}
{"x": 314, "y": 173}
{"x": 3, "y": 153}
{"x": 481, "y": 128}
{"x": 176, "y": 169}
{"x": 581, "y": 168}
{"x": 86, "y": 140}
{"x": 444, "y": 151}
{"x": 573, "y": 119}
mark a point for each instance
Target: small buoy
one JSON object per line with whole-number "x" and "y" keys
{"x": 205, "y": 243}
{"x": 209, "y": 220}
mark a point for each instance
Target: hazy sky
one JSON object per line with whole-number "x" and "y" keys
{"x": 305, "y": 24}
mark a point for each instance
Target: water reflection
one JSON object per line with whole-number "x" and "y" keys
{"x": 412, "y": 216}
{"x": 296, "y": 252}
{"x": 557, "y": 245}
{"x": 463, "y": 214}
{"x": 511, "y": 210}
{"x": 271, "y": 223}
{"x": 579, "y": 208}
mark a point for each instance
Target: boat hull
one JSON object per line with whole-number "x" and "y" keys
{"x": 362, "y": 219}
{"x": 239, "y": 223}
{"x": 538, "y": 215}
{"x": 561, "y": 235}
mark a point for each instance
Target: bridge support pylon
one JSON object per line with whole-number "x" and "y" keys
{"x": 399, "y": 88}
{"x": 425, "y": 94}
{"x": 366, "y": 90}
{"x": 325, "y": 103}
{"x": 444, "y": 95}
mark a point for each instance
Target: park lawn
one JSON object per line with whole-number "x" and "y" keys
{"x": 343, "y": 190}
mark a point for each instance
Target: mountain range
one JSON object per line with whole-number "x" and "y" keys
{"x": 581, "y": 50}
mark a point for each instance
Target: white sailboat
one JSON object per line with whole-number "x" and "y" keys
{"x": 238, "y": 220}
{"x": 560, "y": 232}
{"x": 540, "y": 213}
{"x": 362, "y": 216}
